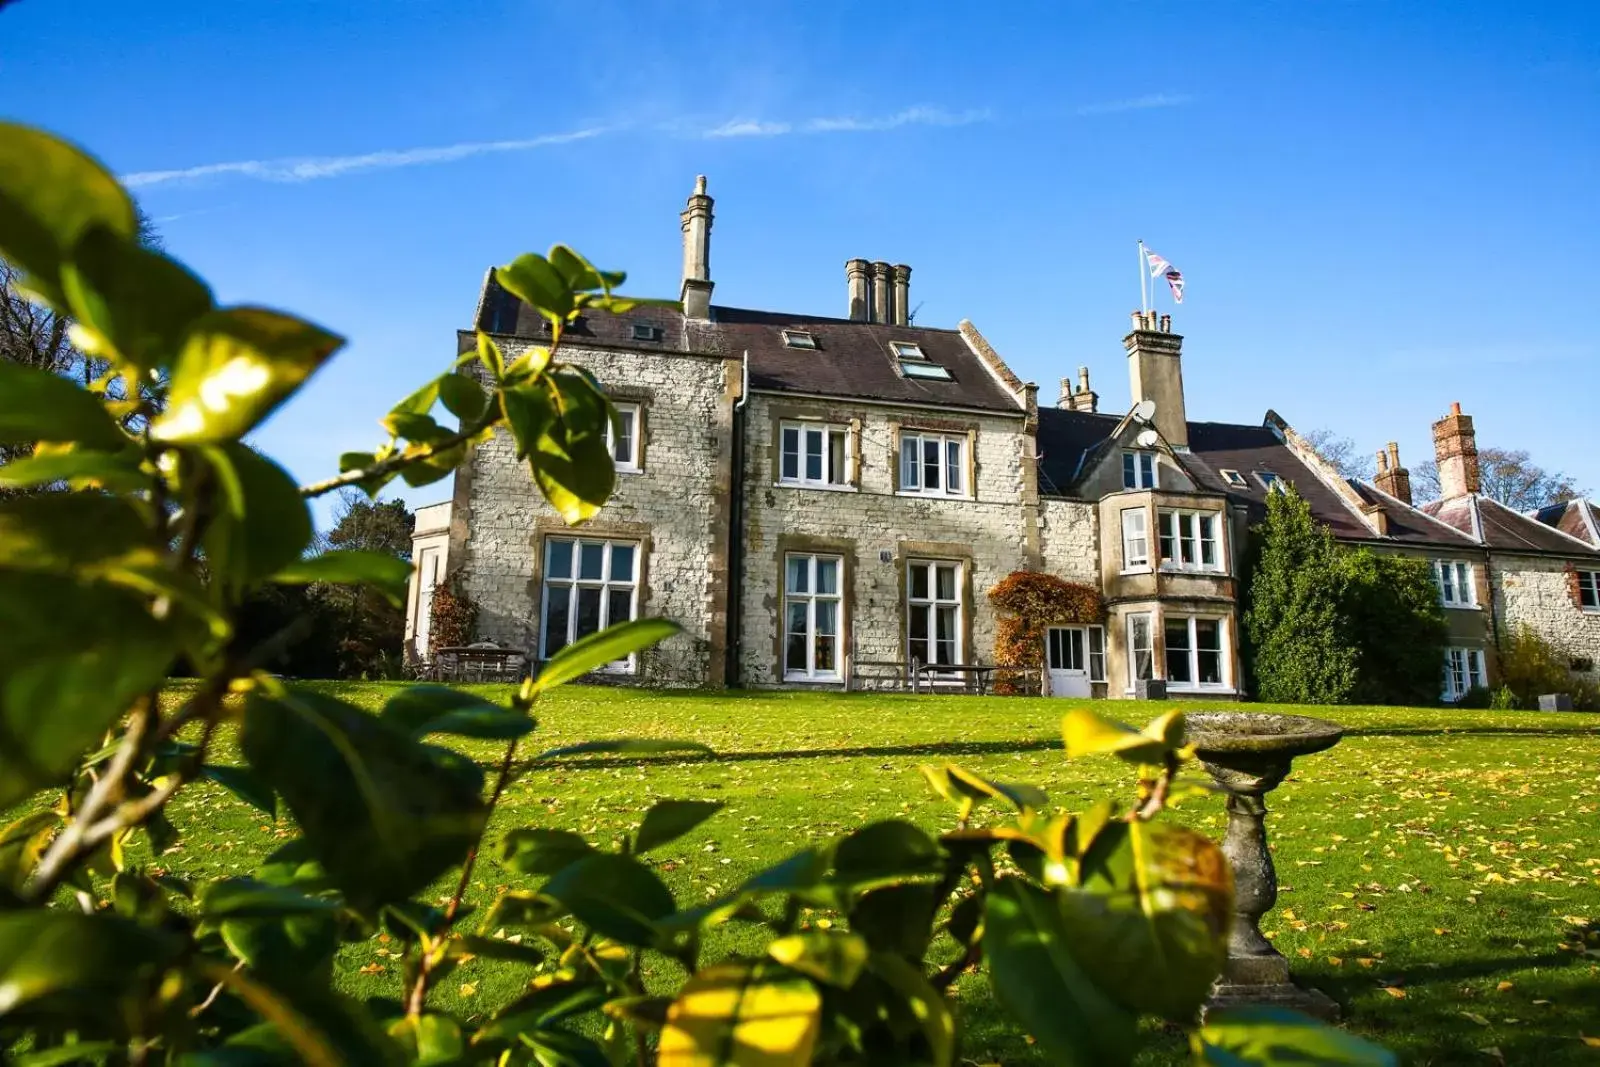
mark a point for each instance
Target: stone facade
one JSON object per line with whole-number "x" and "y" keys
{"x": 1538, "y": 592}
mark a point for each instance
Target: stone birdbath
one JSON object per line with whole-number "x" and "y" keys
{"x": 1249, "y": 754}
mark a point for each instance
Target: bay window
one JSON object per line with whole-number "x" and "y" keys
{"x": 588, "y": 585}
{"x": 933, "y": 612}
{"x": 1194, "y": 652}
{"x": 814, "y": 454}
{"x": 812, "y": 610}
{"x": 933, "y": 464}
{"x": 1190, "y": 540}
{"x": 1141, "y": 648}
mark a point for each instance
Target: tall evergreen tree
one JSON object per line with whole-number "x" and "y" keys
{"x": 1300, "y": 647}
{"x": 1393, "y": 613}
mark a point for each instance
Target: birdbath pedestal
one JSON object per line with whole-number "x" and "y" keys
{"x": 1249, "y": 754}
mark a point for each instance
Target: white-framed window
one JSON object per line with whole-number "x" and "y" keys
{"x": 589, "y": 584}
{"x": 1097, "y": 653}
{"x": 1077, "y": 648}
{"x": 1195, "y": 658}
{"x": 813, "y": 454}
{"x": 1135, "y": 538}
{"x": 1138, "y": 470}
{"x": 1589, "y": 590}
{"x": 1269, "y": 481}
{"x": 812, "y": 612}
{"x": 1234, "y": 478}
{"x": 1463, "y": 671}
{"x": 1141, "y": 648}
{"x": 622, "y": 437}
{"x": 933, "y": 611}
{"x": 1456, "y": 587}
{"x": 1190, "y": 540}
{"x": 933, "y": 464}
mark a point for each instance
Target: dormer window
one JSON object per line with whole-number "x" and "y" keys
{"x": 1235, "y": 479}
{"x": 1269, "y": 481}
{"x": 914, "y": 363}
{"x": 799, "y": 339}
{"x": 645, "y": 332}
{"x": 1138, "y": 470}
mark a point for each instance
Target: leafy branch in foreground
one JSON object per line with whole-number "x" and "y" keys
{"x": 136, "y": 545}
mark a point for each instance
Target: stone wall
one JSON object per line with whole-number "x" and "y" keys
{"x": 875, "y": 531}
{"x": 1535, "y": 591}
{"x": 675, "y": 507}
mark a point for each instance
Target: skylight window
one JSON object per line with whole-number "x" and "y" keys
{"x": 1269, "y": 481}
{"x": 799, "y": 339}
{"x": 1234, "y": 478}
{"x": 914, "y": 364}
{"x": 645, "y": 332}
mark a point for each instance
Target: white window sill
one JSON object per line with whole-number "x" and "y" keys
{"x": 1204, "y": 688}
{"x": 1180, "y": 569}
{"x": 620, "y": 469}
{"x": 1136, "y": 570}
{"x": 815, "y": 679}
{"x": 1590, "y": 611}
{"x": 931, "y": 496}
{"x": 816, "y": 485}
{"x": 1462, "y": 607}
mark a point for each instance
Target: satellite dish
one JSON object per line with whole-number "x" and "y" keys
{"x": 1145, "y": 410}
{"x": 1148, "y": 438}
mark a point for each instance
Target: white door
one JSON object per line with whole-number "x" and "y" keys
{"x": 1065, "y": 660}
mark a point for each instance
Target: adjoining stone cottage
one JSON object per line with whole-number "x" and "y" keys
{"x": 820, "y": 501}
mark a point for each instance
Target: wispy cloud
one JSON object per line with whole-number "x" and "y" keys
{"x": 317, "y": 167}
{"x": 911, "y": 116}
{"x": 1137, "y": 103}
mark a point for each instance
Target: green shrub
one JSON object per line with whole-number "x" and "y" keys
{"x": 1532, "y": 666}
{"x": 1391, "y": 612}
{"x": 168, "y": 525}
{"x": 1504, "y": 699}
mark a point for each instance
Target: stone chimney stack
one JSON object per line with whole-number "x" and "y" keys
{"x": 1155, "y": 371}
{"x": 902, "y": 295}
{"x": 696, "y": 220}
{"x": 882, "y": 293}
{"x": 1455, "y": 446}
{"x": 1083, "y": 399}
{"x": 858, "y": 273}
{"x": 1393, "y": 478}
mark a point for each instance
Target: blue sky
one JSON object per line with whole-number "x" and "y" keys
{"x": 1379, "y": 208}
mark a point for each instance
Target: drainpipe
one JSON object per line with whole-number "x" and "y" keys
{"x": 736, "y": 533}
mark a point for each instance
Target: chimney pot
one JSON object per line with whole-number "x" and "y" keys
{"x": 858, "y": 277}
{"x": 902, "y": 294}
{"x": 1065, "y": 401}
{"x": 882, "y": 294}
{"x": 1455, "y": 407}
{"x": 1166, "y": 324}
{"x": 1383, "y": 461}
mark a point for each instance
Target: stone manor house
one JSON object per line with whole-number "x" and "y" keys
{"x": 818, "y": 499}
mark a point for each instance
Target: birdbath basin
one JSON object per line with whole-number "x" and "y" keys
{"x": 1249, "y": 754}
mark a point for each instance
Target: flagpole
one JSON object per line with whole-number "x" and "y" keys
{"x": 1144, "y": 296}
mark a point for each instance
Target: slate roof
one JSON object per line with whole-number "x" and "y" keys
{"x": 852, "y": 359}
{"x": 1580, "y": 518}
{"x": 1499, "y": 527}
{"x": 1064, "y": 437}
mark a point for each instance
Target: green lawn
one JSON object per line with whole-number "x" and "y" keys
{"x": 1427, "y": 862}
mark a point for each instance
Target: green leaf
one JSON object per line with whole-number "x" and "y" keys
{"x": 247, "y": 898}
{"x": 497, "y": 948}
{"x": 829, "y": 956}
{"x": 669, "y": 820}
{"x": 244, "y": 785}
{"x": 559, "y": 424}
{"x": 463, "y": 397}
{"x": 36, "y": 406}
{"x": 236, "y": 366}
{"x": 954, "y": 783}
{"x": 390, "y": 575}
{"x": 421, "y": 710}
{"x": 579, "y": 274}
{"x": 742, "y": 1013}
{"x": 424, "y": 429}
{"x": 543, "y": 1008}
{"x": 931, "y": 1011}
{"x": 1087, "y": 733}
{"x": 536, "y": 850}
{"x": 489, "y": 355}
{"x": 533, "y": 280}
{"x": 562, "y": 1048}
{"x": 436, "y": 1040}
{"x": 132, "y": 302}
{"x": 628, "y": 746}
{"x": 76, "y": 1053}
{"x": 117, "y": 471}
{"x": 1155, "y": 899}
{"x": 75, "y": 656}
{"x": 884, "y": 852}
{"x": 21, "y": 845}
{"x": 897, "y": 918}
{"x": 65, "y": 967}
{"x": 419, "y": 402}
{"x": 50, "y": 194}
{"x": 383, "y": 813}
{"x": 615, "y": 896}
{"x": 598, "y": 649}
{"x": 1037, "y": 978}
{"x": 1262, "y": 1037}
{"x": 264, "y": 524}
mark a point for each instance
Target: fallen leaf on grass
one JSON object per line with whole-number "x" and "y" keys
{"x": 1475, "y": 1017}
{"x": 1395, "y": 992}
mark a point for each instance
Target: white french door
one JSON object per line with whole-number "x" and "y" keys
{"x": 1066, "y": 658}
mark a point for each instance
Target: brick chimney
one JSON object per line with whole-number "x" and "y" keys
{"x": 1455, "y": 447}
{"x": 902, "y": 294}
{"x": 1155, "y": 371}
{"x": 882, "y": 292}
{"x": 696, "y": 221}
{"x": 1084, "y": 399}
{"x": 1393, "y": 478}
{"x": 858, "y": 275}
